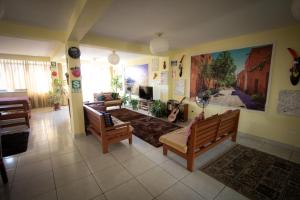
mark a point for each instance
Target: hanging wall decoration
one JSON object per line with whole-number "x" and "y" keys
{"x": 75, "y": 71}
{"x": 74, "y": 52}
{"x": 238, "y": 77}
{"x": 295, "y": 69}
{"x": 164, "y": 65}
{"x": 54, "y": 73}
{"x": 76, "y": 86}
{"x": 181, "y": 66}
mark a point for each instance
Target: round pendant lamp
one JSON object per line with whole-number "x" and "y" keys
{"x": 113, "y": 58}
{"x": 159, "y": 44}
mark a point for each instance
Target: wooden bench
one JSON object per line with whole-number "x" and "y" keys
{"x": 12, "y": 111}
{"x": 205, "y": 134}
{"x": 106, "y": 135}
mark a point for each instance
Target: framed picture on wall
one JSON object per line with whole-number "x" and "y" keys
{"x": 237, "y": 78}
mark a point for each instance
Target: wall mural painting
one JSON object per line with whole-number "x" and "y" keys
{"x": 236, "y": 77}
{"x": 134, "y": 76}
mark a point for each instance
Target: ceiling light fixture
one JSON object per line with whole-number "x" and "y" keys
{"x": 159, "y": 44}
{"x": 296, "y": 9}
{"x": 113, "y": 58}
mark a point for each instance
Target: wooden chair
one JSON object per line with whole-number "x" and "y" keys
{"x": 106, "y": 135}
{"x": 205, "y": 134}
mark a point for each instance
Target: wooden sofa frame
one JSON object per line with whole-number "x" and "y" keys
{"x": 106, "y": 135}
{"x": 206, "y": 134}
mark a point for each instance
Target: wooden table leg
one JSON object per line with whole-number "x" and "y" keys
{"x": 3, "y": 172}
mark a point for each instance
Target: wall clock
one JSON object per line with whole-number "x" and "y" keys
{"x": 74, "y": 52}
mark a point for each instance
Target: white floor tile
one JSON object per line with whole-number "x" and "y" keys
{"x": 156, "y": 156}
{"x": 112, "y": 177}
{"x": 102, "y": 162}
{"x": 203, "y": 184}
{"x": 32, "y": 187}
{"x": 131, "y": 190}
{"x": 156, "y": 180}
{"x": 66, "y": 159}
{"x": 47, "y": 196}
{"x": 174, "y": 169}
{"x": 69, "y": 173}
{"x": 138, "y": 165}
{"x": 230, "y": 194}
{"x": 82, "y": 189}
{"x": 180, "y": 192}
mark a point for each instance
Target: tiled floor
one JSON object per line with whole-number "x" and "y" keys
{"x": 56, "y": 166}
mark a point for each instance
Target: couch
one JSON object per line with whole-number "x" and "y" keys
{"x": 109, "y": 99}
{"x": 204, "y": 135}
{"x": 95, "y": 124}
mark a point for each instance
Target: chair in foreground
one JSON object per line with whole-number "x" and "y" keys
{"x": 204, "y": 135}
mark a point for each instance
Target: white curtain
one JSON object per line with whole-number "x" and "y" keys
{"x": 96, "y": 78}
{"x": 35, "y": 76}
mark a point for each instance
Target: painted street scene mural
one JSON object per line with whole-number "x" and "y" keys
{"x": 236, "y": 77}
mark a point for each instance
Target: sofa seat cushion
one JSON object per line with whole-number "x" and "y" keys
{"x": 113, "y": 102}
{"x": 175, "y": 139}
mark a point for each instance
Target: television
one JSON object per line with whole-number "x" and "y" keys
{"x": 146, "y": 92}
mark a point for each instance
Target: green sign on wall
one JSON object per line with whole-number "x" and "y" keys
{"x": 76, "y": 86}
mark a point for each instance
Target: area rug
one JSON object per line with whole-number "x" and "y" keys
{"x": 145, "y": 127}
{"x": 256, "y": 175}
{"x": 14, "y": 143}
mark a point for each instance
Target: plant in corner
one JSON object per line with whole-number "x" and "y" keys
{"x": 55, "y": 97}
{"x": 134, "y": 104}
{"x": 158, "y": 108}
{"x": 116, "y": 83}
{"x": 125, "y": 99}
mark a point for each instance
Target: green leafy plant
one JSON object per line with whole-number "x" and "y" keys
{"x": 125, "y": 99}
{"x": 116, "y": 83}
{"x": 134, "y": 103}
{"x": 56, "y": 95}
{"x": 158, "y": 108}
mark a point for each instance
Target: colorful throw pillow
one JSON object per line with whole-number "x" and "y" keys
{"x": 188, "y": 129}
{"x": 107, "y": 119}
{"x": 108, "y": 97}
{"x": 101, "y": 97}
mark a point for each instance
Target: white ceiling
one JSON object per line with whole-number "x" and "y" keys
{"x": 54, "y": 14}
{"x": 186, "y": 22}
{"x": 100, "y": 54}
{"x": 10, "y": 45}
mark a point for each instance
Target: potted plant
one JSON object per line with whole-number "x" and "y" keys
{"x": 125, "y": 99}
{"x": 55, "y": 97}
{"x": 158, "y": 108}
{"x": 134, "y": 104}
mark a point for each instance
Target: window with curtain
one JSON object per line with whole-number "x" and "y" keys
{"x": 96, "y": 77}
{"x": 25, "y": 74}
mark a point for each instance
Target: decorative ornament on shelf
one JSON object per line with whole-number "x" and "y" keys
{"x": 202, "y": 99}
{"x": 159, "y": 44}
{"x": 295, "y": 69}
{"x": 75, "y": 71}
{"x": 54, "y": 73}
{"x": 295, "y": 8}
{"x": 113, "y": 58}
{"x": 74, "y": 52}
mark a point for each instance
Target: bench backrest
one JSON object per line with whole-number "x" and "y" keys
{"x": 94, "y": 119}
{"x": 211, "y": 129}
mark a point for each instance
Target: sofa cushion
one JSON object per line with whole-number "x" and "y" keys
{"x": 100, "y": 98}
{"x": 113, "y": 102}
{"x": 175, "y": 139}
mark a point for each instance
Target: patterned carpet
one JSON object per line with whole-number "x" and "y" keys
{"x": 256, "y": 175}
{"x": 147, "y": 128}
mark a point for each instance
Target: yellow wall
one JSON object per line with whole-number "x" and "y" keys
{"x": 269, "y": 124}
{"x": 162, "y": 91}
